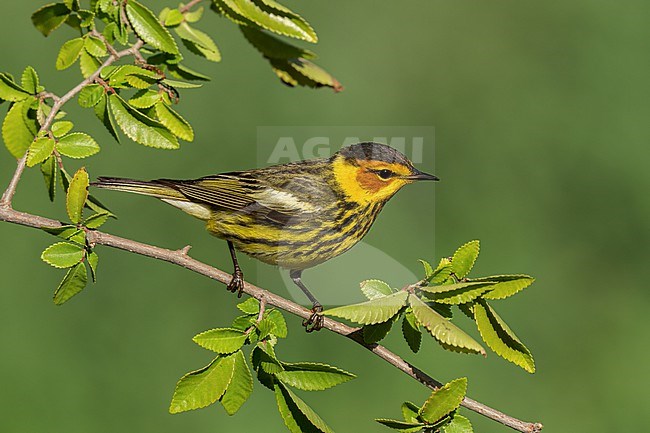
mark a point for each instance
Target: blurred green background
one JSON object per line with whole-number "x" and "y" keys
{"x": 541, "y": 115}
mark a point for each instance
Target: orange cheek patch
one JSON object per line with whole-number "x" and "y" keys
{"x": 370, "y": 182}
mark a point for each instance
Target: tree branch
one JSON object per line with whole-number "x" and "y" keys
{"x": 7, "y": 197}
{"x": 181, "y": 258}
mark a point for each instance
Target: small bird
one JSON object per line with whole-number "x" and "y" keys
{"x": 294, "y": 215}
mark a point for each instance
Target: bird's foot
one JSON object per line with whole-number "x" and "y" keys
{"x": 315, "y": 321}
{"x": 237, "y": 283}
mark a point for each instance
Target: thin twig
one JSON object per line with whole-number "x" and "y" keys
{"x": 189, "y": 6}
{"x": 270, "y": 298}
{"x": 260, "y": 315}
{"x": 8, "y": 195}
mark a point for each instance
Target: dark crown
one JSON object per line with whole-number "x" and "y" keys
{"x": 371, "y": 151}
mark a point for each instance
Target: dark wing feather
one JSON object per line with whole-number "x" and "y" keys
{"x": 278, "y": 199}
{"x": 224, "y": 191}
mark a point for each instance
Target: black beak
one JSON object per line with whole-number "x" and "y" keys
{"x": 418, "y": 175}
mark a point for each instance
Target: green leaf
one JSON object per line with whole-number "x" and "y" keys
{"x": 268, "y": 15}
{"x": 403, "y": 426}
{"x": 109, "y": 32}
{"x": 86, "y": 18}
{"x": 203, "y": 387}
{"x": 50, "y": 17}
{"x": 93, "y": 261}
{"x": 139, "y": 127}
{"x": 181, "y": 84}
{"x": 249, "y": 306}
{"x": 410, "y": 412}
{"x": 174, "y": 122}
{"x": 139, "y": 82}
{"x": 10, "y": 91}
{"x": 272, "y": 47}
{"x": 428, "y": 270}
{"x": 173, "y": 17}
{"x": 74, "y": 282}
{"x": 69, "y": 53}
{"x": 106, "y": 117}
{"x": 39, "y": 151}
{"x": 267, "y": 380}
{"x": 375, "y": 289}
{"x": 458, "y": 293}
{"x": 182, "y": 72}
{"x": 145, "y": 98}
{"x": 198, "y": 42}
{"x": 29, "y": 80}
{"x": 310, "y": 376}
{"x": 221, "y": 340}
{"x": 411, "y": 331}
{"x": 59, "y": 129}
{"x": 500, "y": 338}
{"x": 63, "y": 255}
{"x": 464, "y": 258}
{"x": 73, "y": 5}
{"x": 49, "y": 170}
{"x": 97, "y": 220}
{"x": 15, "y": 133}
{"x": 459, "y": 424}
{"x": 148, "y": 28}
{"x": 442, "y": 273}
{"x": 91, "y": 203}
{"x": 442, "y": 329}
{"x": 304, "y": 73}
{"x": 95, "y": 46}
{"x": 443, "y": 401}
{"x": 378, "y": 331}
{"x": 371, "y": 312}
{"x": 77, "y": 145}
{"x": 263, "y": 357}
{"x": 195, "y": 15}
{"x": 296, "y": 414}
{"x": 241, "y": 385}
{"x": 97, "y": 206}
{"x": 290, "y": 63}
{"x": 69, "y": 233}
{"x": 88, "y": 65}
{"x": 279, "y": 324}
{"x": 77, "y": 195}
{"x": 242, "y": 323}
{"x": 265, "y": 328}
{"x": 130, "y": 76}
{"x": 506, "y": 285}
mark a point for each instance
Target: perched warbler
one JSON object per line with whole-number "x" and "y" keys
{"x": 294, "y": 215}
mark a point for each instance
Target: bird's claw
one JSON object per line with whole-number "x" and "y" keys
{"x": 315, "y": 321}
{"x": 237, "y": 283}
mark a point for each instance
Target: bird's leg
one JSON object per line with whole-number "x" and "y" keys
{"x": 237, "y": 282}
{"x": 315, "y": 321}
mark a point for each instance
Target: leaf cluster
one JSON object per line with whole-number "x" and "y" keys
{"x": 430, "y": 304}
{"x": 228, "y": 378}
{"x": 437, "y": 414}
{"x": 138, "y": 98}
{"x": 74, "y": 253}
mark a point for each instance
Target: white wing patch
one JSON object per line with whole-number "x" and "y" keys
{"x": 283, "y": 201}
{"x": 196, "y": 210}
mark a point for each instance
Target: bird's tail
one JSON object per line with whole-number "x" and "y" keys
{"x": 154, "y": 188}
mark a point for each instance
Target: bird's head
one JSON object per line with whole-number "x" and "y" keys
{"x": 373, "y": 172}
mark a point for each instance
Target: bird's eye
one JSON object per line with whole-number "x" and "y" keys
{"x": 385, "y": 174}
